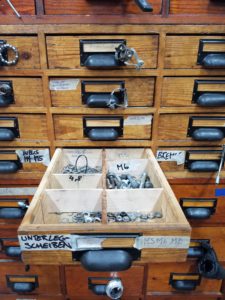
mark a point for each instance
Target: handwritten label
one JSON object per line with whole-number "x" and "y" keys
{"x": 75, "y": 178}
{"x": 63, "y": 84}
{"x": 131, "y": 165}
{"x": 45, "y": 242}
{"x": 78, "y": 242}
{"x": 138, "y": 120}
{"x": 177, "y": 242}
{"x": 34, "y": 156}
{"x": 171, "y": 155}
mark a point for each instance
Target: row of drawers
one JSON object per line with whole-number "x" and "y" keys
{"x": 74, "y": 92}
{"x": 81, "y": 52}
{"x": 194, "y": 129}
{"x": 27, "y": 7}
{"x": 75, "y": 281}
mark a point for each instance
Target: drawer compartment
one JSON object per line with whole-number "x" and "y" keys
{"x": 202, "y": 206}
{"x": 188, "y": 91}
{"x": 81, "y": 283}
{"x": 190, "y": 162}
{"x": 16, "y": 278}
{"x": 197, "y": 7}
{"x": 169, "y": 280}
{"x": 75, "y": 173}
{"x": 20, "y": 127}
{"x": 82, "y": 92}
{"x": 185, "y": 52}
{"x": 193, "y": 128}
{"x": 21, "y": 92}
{"x": 76, "y": 52}
{"x": 23, "y": 163}
{"x": 28, "y": 52}
{"x": 10, "y": 249}
{"x": 82, "y": 7}
{"x": 24, "y": 7}
{"x": 102, "y": 128}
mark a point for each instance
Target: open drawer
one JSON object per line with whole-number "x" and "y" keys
{"x": 105, "y": 208}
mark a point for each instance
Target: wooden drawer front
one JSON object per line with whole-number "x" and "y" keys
{"x": 37, "y": 297}
{"x": 197, "y": 7}
{"x": 72, "y": 127}
{"x": 40, "y": 275}
{"x": 28, "y": 52}
{"x": 159, "y": 278}
{"x": 24, "y": 7}
{"x": 140, "y": 90}
{"x": 77, "y": 281}
{"x": 82, "y": 7}
{"x": 194, "y": 128}
{"x": 190, "y": 163}
{"x": 201, "y": 197}
{"x": 190, "y": 91}
{"x": 22, "y": 92}
{"x": 64, "y": 51}
{"x": 22, "y": 127}
{"x": 216, "y": 237}
{"x": 32, "y": 165}
{"x": 182, "y": 51}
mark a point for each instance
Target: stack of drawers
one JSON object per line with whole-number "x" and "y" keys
{"x": 50, "y": 89}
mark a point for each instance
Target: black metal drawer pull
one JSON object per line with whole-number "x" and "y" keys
{"x": 184, "y": 281}
{"x": 6, "y": 93}
{"x": 211, "y": 59}
{"x": 198, "y": 208}
{"x": 22, "y": 284}
{"x": 113, "y": 287}
{"x": 144, "y": 5}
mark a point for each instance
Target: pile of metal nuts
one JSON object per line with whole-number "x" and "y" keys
{"x": 72, "y": 169}
{"x": 127, "y": 181}
{"x": 127, "y": 217}
{"x": 81, "y": 217}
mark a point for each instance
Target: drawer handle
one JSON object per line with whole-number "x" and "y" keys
{"x": 13, "y": 251}
{"x": 103, "y": 134}
{"x": 208, "y": 134}
{"x": 214, "y": 60}
{"x": 102, "y": 101}
{"x": 8, "y": 167}
{"x": 113, "y": 287}
{"x": 4, "y": 48}
{"x": 211, "y": 99}
{"x": 144, "y": 5}
{"x": 203, "y": 166}
{"x": 12, "y": 213}
{"x": 6, "y": 93}
{"x": 23, "y": 287}
{"x": 184, "y": 285}
{"x": 208, "y": 264}
{"x": 6, "y": 134}
{"x": 197, "y": 213}
{"x": 106, "y": 260}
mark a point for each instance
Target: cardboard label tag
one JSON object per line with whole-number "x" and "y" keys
{"x": 63, "y": 84}
{"x": 40, "y": 156}
{"x": 138, "y": 120}
{"x": 171, "y": 155}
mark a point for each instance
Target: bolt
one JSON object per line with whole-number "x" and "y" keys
{"x": 143, "y": 179}
{"x": 134, "y": 183}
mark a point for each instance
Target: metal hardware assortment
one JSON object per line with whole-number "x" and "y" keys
{"x": 119, "y": 217}
{"x": 5, "y": 89}
{"x": 125, "y": 55}
{"x": 112, "y": 104}
{"x": 126, "y": 217}
{"x": 126, "y": 181}
{"x": 72, "y": 169}
{"x": 5, "y": 47}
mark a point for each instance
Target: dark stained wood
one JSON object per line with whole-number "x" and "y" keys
{"x": 24, "y": 7}
{"x": 197, "y": 7}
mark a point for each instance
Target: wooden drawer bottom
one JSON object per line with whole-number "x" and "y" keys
{"x": 172, "y": 296}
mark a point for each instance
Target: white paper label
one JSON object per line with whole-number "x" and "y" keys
{"x": 17, "y": 191}
{"x": 171, "y": 155}
{"x": 168, "y": 242}
{"x": 63, "y": 84}
{"x": 30, "y": 156}
{"x": 138, "y": 120}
